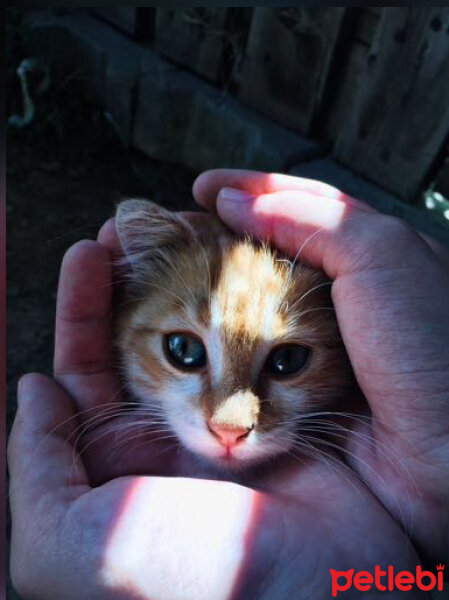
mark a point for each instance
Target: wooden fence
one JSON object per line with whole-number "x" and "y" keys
{"x": 372, "y": 82}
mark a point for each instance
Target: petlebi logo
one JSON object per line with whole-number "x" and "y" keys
{"x": 386, "y": 581}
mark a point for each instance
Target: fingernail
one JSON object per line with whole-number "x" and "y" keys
{"x": 19, "y": 389}
{"x": 233, "y": 195}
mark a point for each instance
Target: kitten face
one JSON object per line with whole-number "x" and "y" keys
{"x": 227, "y": 341}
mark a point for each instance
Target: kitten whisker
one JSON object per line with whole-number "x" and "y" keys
{"x": 316, "y": 287}
{"x": 357, "y": 460}
{"x": 136, "y": 425}
{"x": 125, "y": 441}
{"x": 329, "y": 460}
{"x": 171, "y": 446}
{"x": 107, "y": 419}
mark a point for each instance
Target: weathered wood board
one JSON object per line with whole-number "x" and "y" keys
{"x": 133, "y": 20}
{"x": 399, "y": 115}
{"x": 360, "y": 28}
{"x": 345, "y": 82}
{"x": 366, "y": 26}
{"x": 287, "y": 61}
{"x": 192, "y": 37}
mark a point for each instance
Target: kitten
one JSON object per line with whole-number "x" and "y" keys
{"x": 231, "y": 343}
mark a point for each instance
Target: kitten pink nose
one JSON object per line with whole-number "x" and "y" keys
{"x": 228, "y": 435}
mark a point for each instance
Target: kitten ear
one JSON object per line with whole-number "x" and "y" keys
{"x": 145, "y": 228}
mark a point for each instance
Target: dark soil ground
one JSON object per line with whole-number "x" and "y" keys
{"x": 65, "y": 172}
{"x": 60, "y": 191}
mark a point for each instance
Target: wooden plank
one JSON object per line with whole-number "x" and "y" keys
{"x": 130, "y": 19}
{"x": 399, "y": 117}
{"x": 361, "y": 25}
{"x": 375, "y": 10}
{"x": 366, "y": 26}
{"x": 238, "y": 23}
{"x": 350, "y": 70}
{"x": 288, "y": 56}
{"x": 193, "y": 38}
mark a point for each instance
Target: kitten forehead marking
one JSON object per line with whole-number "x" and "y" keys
{"x": 249, "y": 294}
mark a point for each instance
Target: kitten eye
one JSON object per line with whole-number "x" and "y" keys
{"x": 287, "y": 359}
{"x": 185, "y": 350}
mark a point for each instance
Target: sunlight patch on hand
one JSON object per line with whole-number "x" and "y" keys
{"x": 179, "y": 538}
{"x": 302, "y": 209}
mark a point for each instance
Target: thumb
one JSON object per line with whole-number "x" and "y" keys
{"x": 41, "y": 456}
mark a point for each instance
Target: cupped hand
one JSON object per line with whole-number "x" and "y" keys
{"x": 177, "y": 538}
{"x": 391, "y": 295}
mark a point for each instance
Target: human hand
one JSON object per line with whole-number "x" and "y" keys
{"x": 177, "y": 538}
{"x": 107, "y": 435}
{"x": 132, "y": 536}
{"x": 390, "y": 291}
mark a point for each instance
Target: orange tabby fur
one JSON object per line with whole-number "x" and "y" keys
{"x": 241, "y": 299}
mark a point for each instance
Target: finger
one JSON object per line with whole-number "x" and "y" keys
{"x": 327, "y": 233}
{"x": 108, "y": 237}
{"x": 208, "y": 185}
{"x": 41, "y": 456}
{"x": 83, "y": 344}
